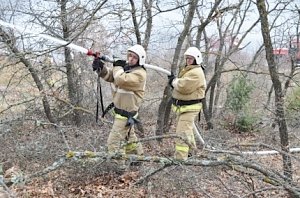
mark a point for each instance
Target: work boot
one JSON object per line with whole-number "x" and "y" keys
{"x": 121, "y": 169}
{"x": 135, "y": 166}
{"x": 119, "y": 166}
{"x": 192, "y": 153}
{"x": 181, "y": 156}
{"x": 136, "y": 163}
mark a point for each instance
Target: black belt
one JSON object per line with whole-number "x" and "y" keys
{"x": 129, "y": 115}
{"x": 124, "y": 113}
{"x": 185, "y": 102}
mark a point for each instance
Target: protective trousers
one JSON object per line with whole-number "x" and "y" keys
{"x": 184, "y": 129}
{"x": 119, "y": 135}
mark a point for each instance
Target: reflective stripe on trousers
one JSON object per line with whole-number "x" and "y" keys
{"x": 184, "y": 129}
{"x": 117, "y": 138}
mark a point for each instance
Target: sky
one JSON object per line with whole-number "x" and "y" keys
{"x": 167, "y": 27}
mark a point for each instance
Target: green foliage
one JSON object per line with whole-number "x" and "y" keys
{"x": 238, "y": 97}
{"x": 238, "y": 94}
{"x": 293, "y": 100}
{"x": 245, "y": 122}
{"x": 293, "y": 108}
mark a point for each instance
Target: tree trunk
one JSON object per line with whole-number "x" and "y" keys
{"x": 165, "y": 105}
{"x": 200, "y": 31}
{"x": 75, "y": 91}
{"x": 148, "y": 7}
{"x": 213, "y": 83}
{"x": 279, "y": 97}
{"x": 135, "y": 23}
{"x": 40, "y": 87}
{"x": 219, "y": 65}
{"x": 33, "y": 73}
{"x": 164, "y": 113}
{"x": 206, "y": 114}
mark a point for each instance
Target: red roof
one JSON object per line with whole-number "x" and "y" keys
{"x": 281, "y": 51}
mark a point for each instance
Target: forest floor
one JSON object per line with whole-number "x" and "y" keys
{"x": 27, "y": 148}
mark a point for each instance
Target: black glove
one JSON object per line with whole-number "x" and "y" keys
{"x": 97, "y": 64}
{"x": 171, "y": 78}
{"x": 121, "y": 63}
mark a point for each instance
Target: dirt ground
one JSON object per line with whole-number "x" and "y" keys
{"x": 27, "y": 148}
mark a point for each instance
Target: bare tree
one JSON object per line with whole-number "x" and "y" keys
{"x": 71, "y": 23}
{"x": 279, "y": 96}
{"x": 227, "y": 36}
{"x": 227, "y": 43}
{"x": 75, "y": 91}
{"x": 11, "y": 43}
{"x": 165, "y": 105}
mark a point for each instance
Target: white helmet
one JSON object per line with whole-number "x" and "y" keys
{"x": 194, "y": 52}
{"x": 140, "y": 51}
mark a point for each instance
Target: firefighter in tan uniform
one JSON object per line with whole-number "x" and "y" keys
{"x": 128, "y": 86}
{"x": 188, "y": 90}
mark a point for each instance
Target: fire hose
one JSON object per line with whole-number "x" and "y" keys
{"x": 153, "y": 67}
{"x": 106, "y": 58}
{"x": 90, "y": 53}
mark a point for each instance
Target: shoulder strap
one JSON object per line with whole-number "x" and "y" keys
{"x": 109, "y": 107}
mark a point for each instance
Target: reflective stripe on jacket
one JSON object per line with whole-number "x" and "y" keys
{"x": 186, "y": 108}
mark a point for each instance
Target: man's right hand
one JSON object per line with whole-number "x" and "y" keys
{"x": 97, "y": 64}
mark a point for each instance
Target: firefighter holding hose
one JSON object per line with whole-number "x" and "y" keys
{"x": 128, "y": 80}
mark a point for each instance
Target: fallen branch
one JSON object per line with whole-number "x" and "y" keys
{"x": 205, "y": 160}
{"x": 142, "y": 179}
{"x": 147, "y": 139}
{"x": 71, "y": 155}
{"x": 4, "y": 190}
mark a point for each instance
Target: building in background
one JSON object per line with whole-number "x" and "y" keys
{"x": 283, "y": 55}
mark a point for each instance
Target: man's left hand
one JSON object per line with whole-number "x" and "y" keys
{"x": 121, "y": 63}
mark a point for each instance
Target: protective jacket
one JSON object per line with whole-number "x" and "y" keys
{"x": 128, "y": 86}
{"x": 189, "y": 89}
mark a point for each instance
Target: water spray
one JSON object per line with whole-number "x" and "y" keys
{"x": 45, "y": 36}
{"x": 73, "y": 46}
